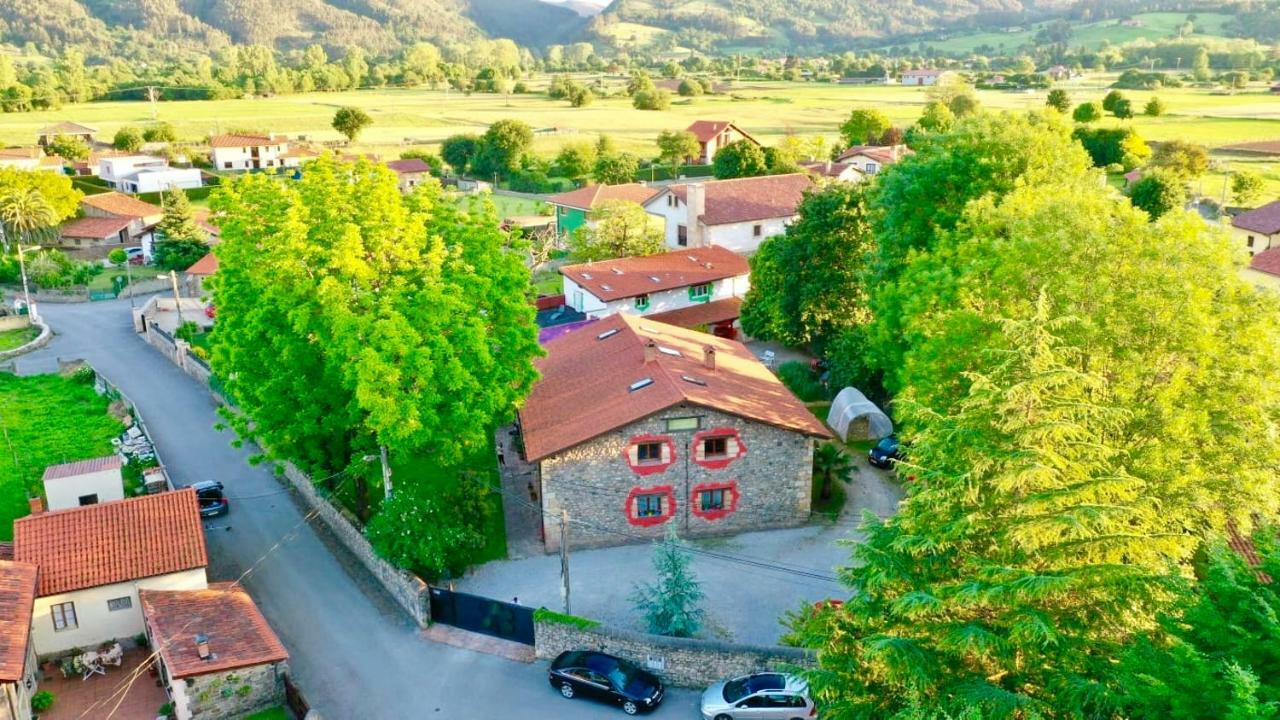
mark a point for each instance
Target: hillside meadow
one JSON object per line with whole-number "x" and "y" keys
{"x": 768, "y": 110}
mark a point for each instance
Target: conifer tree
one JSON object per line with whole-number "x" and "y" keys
{"x": 670, "y": 603}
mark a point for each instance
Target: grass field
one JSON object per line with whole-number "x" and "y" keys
{"x": 45, "y": 420}
{"x": 1092, "y": 35}
{"x": 10, "y": 339}
{"x": 768, "y": 110}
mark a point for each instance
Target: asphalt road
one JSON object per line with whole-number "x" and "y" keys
{"x": 354, "y": 654}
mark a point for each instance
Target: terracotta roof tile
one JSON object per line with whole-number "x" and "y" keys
{"x": 1265, "y": 219}
{"x": 1244, "y": 547}
{"x": 94, "y": 227}
{"x": 230, "y": 141}
{"x": 121, "y": 205}
{"x": 17, "y": 597}
{"x": 1267, "y": 261}
{"x": 82, "y": 467}
{"x": 21, "y": 153}
{"x": 206, "y": 265}
{"x": 409, "y": 165}
{"x": 629, "y": 277}
{"x": 585, "y": 198}
{"x": 705, "y": 130}
{"x": 238, "y": 634}
{"x": 747, "y": 199}
{"x": 587, "y": 375}
{"x": 112, "y": 542}
{"x": 709, "y": 313}
{"x": 883, "y": 154}
{"x": 829, "y": 169}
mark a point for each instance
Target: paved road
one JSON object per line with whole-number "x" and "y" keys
{"x": 354, "y": 654}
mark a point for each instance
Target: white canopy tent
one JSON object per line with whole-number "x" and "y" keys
{"x": 853, "y": 416}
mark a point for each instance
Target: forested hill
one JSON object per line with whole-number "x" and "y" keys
{"x": 376, "y": 25}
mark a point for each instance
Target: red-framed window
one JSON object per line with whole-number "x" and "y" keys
{"x": 712, "y": 501}
{"x": 717, "y": 448}
{"x": 649, "y": 506}
{"x": 650, "y": 454}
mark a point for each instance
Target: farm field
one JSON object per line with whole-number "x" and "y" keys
{"x": 1152, "y": 26}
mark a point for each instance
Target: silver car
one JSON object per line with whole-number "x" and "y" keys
{"x": 763, "y": 696}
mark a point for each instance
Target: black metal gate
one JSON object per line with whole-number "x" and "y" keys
{"x": 483, "y": 615}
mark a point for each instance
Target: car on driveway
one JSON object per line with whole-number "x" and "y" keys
{"x": 595, "y": 675}
{"x": 212, "y": 500}
{"x": 885, "y": 452}
{"x": 762, "y": 696}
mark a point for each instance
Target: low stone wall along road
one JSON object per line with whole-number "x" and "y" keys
{"x": 355, "y": 653}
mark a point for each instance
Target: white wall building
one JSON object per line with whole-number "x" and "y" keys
{"x": 116, "y": 167}
{"x": 94, "y": 559}
{"x": 87, "y": 482}
{"x": 250, "y": 152}
{"x": 148, "y": 180}
{"x": 735, "y": 214}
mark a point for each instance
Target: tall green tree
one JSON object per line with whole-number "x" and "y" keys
{"x": 676, "y": 147}
{"x": 863, "y": 126}
{"x": 128, "y": 139}
{"x": 501, "y": 147}
{"x": 54, "y": 188}
{"x": 741, "y": 158}
{"x": 1247, "y": 186}
{"x": 671, "y": 602}
{"x": 618, "y": 228}
{"x": 1158, "y": 192}
{"x": 391, "y": 320}
{"x": 69, "y": 147}
{"x": 937, "y": 117}
{"x": 1087, "y": 112}
{"x": 351, "y": 121}
{"x": 616, "y": 168}
{"x": 1059, "y": 100}
{"x": 458, "y": 150}
{"x": 181, "y": 240}
{"x": 1187, "y": 159}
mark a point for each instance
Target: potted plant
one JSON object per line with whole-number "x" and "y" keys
{"x": 41, "y": 701}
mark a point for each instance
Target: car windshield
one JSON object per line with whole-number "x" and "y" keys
{"x": 888, "y": 444}
{"x": 735, "y": 690}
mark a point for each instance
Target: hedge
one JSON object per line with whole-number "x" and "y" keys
{"x": 544, "y": 615}
{"x": 199, "y": 193}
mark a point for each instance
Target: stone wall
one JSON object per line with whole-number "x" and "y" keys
{"x": 235, "y": 693}
{"x": 767, "y": 485}
{"x": 408, "y": 590}
{"x": 683, "y": 662}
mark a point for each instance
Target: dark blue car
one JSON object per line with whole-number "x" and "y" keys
{"x": 212, "y": 500}
{"x": 885, "y": 453}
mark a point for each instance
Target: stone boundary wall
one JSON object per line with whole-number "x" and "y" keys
{"x": 46, "y": 334}
{"x": 104, "y": 386}
{"x": 408, "y": 590}
{"x": 682, "y": 662}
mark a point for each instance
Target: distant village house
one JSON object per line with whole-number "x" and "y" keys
{"x": 735, "y": 214}
{"x": 713, "y": 135}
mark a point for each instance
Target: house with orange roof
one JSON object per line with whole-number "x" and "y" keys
{"x": 573, "y": 207}
{"x": 211, "y": 639}
{"x": 199, "y": 271}
{"x": 19, "y": 670}
{"x": 736, "y": 214}
{"x": 871, "y": 159}
{"x": 251, "y": 152}
{"x": 713, "y": 135}
{"x": 94, "y": 560}
{"x": 110, "y": 220}
{"x": 637, "y": 426}
{"x": 30, "y": 159}
{"x": 1258, "y": 229}
{"x": 693, "y": 288}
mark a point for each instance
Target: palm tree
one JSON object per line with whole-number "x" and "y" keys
{"x": 829, "y": 463}
{"x": 25, "y": 214}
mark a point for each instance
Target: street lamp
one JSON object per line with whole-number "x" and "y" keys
{"x": 26, "y": 291}
{"x": 177, "y": 299}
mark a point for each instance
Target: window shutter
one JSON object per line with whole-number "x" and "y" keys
{"x": 666, "y": 452}
{"x": 700, "y": 449}
{"x": 633, "y": 454}
{"x": 731, "y": 446}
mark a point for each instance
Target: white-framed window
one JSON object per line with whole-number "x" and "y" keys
{"x": 120, "y": 603}
{"x": 64, "y": 616}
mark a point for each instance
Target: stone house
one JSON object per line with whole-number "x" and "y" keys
{"x": 218, "y": 656}
{"x": 736, "y": 214}
{"x": 87, "y": 482}
{"x": 694, "y": 288}
{"x": 410, "y": 172}
{"x": 19, "y": 671}
{"x": 573, "y": 206}
{"x": 713, "y": 135}
{"x": 95, "y": 236}
{"x": 95, "y": 559}
{"x": 28, "y": 158}
{"x": 638, "y": 425}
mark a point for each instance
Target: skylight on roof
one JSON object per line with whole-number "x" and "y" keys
{"x": 669, "y": 351}
{"x": 606, "y": 288}
{"x": 655, "y": 278}
{"x": 615, "y": 271}
{"x": 586, "y": 276}
{"x": 607, "y": 334}
{"x": 640, "y": 384}
{"x": 693, "y": 380}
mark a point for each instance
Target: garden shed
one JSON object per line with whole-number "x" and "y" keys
{"x": 854, "y": 417}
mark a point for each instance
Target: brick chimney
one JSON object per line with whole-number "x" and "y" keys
{"x": 709, "y": 358}
{"x": 36, "y": 504}
{"x": 696, "y": 200}
{"x": 650, "y": 351}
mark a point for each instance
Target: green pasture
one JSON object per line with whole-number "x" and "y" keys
{"x": 1153, "y": 26}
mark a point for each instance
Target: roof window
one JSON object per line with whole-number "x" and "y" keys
{"x": 607, "y": 334}
{"x": 615, "y": 271}
{"x": 606, "y": 288}
{"x": 669, "y": 351}
{"x": 640, "y": 384}
{"x": 693, "y": 380}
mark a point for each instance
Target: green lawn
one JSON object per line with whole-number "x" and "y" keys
{"x": 1153, "y": 26}
{"x": 45, "y": 420}
{"x": 548, "y": 282}
{"x": 275, "y": 713}
{"x": 505, "y": 205}
{"x": 10, "y": 339}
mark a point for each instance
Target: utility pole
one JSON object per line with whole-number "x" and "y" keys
{"x": 564, "y": 560}
{"x": 151, "y": 95}
{"x": 22, "y": 269}
{"x": 386, "y": 472}
{"x": 177, "y": 299}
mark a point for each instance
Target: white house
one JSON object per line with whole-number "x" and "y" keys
{"x": 86, "y": 482}
{"x": 19, "y": 671}
{"x": 734, "y": 214}
{"x": 145, "y": 173}
{"x": 114, "y": 167}
{"x": 694, "y": 287}
{"x": 29, "y": 159}
{"x": 93, "y": 560}
{"x": 251, "y": 152}
{"x": 871, "y": 159}
{"x": 713, "y": 135}
{"x": 834, "y": 171}
{"x": 921, "y": 77}
{"x": 1258, "y": 229}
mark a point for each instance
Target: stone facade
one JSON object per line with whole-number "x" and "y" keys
{"x": 230, "y": 694}
{"x": 682, "y": 662}
{"x": 763, "y": 481}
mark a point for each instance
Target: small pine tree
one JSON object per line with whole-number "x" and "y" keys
{"x": 182, "y": 241}
{"x": 670, "y": 603}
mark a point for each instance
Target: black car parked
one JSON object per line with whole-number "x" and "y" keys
{"x": 607, "y": 678}
{"x": 884, "y": 453}
{"x": 212, "y": 500}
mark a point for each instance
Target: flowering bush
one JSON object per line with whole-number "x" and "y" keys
{"x": 428, "y": 530}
